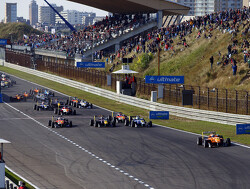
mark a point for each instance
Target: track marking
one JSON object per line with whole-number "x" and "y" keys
{"x": 83, "y": 149}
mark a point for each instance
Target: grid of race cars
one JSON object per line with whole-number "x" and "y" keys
{"x": 45, "y": 100}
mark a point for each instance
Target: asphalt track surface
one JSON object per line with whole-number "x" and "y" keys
{"x": 111, "y": 158}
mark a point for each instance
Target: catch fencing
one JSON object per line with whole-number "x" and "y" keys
{"x": 215, "y": 99}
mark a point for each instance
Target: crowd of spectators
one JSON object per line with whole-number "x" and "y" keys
{"x": 92, "y": 35}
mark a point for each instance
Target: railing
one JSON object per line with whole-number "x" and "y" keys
{"x": 220, "y": 100}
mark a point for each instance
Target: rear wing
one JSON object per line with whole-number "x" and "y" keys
{"x": 208, "y": 132}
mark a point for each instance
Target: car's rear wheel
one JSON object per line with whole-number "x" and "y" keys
{"x": 91, "y": 123}
{"x": 55, "y": 111}
{"x": 205, "y": 144}
{"x": 74, "y": 112}
{"x": 199, "y": 140}
{"x": 70, "y": 124}
{"x": 228, "y": 142}
{"x": 35, "y": 107}
{"x": 49, "y": 124}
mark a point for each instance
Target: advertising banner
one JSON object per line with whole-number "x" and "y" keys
{"x": 90, "y": 64}
{"x": 164, "y": 79}
{"x": 242, "y": 129}
{"x": 158, "y": 115}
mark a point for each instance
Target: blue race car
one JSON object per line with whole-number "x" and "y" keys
{"x": 137, "y": 121}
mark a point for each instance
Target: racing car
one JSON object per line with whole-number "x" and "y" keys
{"x": 43, "y": 106}
{"x": 34, "y": 91}
{"x": 100, "y": 121}
{"x": 5, "y": 83}
{"x": 59, "y": 122}
{"x": 65, "y": 110}
{"x": 40, "y": 97}
{"x": 84, "y": 104}
{"x": 137, "y": 121}
{"x": 17, "y": 97}
{"x": 55, "y": 103}
{"x": 74, "y": 101}
{"x": 120, "y": 117}
{"x": 212, "y": 140}
{"x": 47, "y": 92}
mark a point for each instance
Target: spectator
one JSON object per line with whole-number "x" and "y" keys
{"x": 248, "y": 62}
{"x": 211, "y": 62}
{"x": 245, "y": 55}
{"x": 234, "y": 67}
{"x": 22, "y": 185}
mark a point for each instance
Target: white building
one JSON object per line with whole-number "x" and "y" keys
{"x": 10, "y": 12}
{"x": 47, "y": 16}
{"x": 203, "y": 7}
{"x": 75, "y": 17}
{"x": 33, "y": 13}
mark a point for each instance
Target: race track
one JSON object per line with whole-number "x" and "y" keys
{"x": 111, "y": 158}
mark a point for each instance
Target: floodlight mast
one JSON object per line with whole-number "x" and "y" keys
{"x": 66, "y": 22}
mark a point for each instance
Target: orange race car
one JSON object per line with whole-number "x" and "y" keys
{"x": 212, "y": 140}
{"x": 74, "y": 101}
{"x": 119, "y": 117}
{"x": 17, "y": 97}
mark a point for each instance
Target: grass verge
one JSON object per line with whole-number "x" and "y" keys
{"x": 15, "y": 179}
{"x": 174, "y": 122}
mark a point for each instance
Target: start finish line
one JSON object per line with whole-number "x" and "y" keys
{"x": 164, "y": 79}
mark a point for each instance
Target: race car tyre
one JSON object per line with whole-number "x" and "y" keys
{"x": 110, "y": 118}
{"x": 133, "y": 124}
{"x": 91, "y": 106}
{"x": 210, "y": 145}
{"x": 67, "y": 102}
{"x": 55, "y": 111}
{"x": 53, "y": 94}
{"x": 78, "y": 105}
{"x": 70, "y": 124}
{"x": 60, "y": 113}
{"x": 74, "y": 104}
{"x": 114, "y": 119}
{"x": 149, "y": 124}
{"x": 24, "y": 99}
{"x": 126, "y": 123}
{"x": 205, "y": 144}
{"x": 53, "y": 125}
{"x": 35, "y": 107}
{"x": 11, "y": 99}
{"x": 228, "y": 142}
{"x": 49, "y": 124}
{"x": 199, "y": 140}
{"x": 113, "y": 124}
{"x": 96, "y": 124}
{"x": 74, "y": 112}
{"x": 91, "y": 123}
{"x": 38, "y": 108}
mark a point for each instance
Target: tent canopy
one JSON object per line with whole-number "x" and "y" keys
{"x": 125, "y": 70}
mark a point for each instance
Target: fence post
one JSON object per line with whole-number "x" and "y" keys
{"x": 236, "y": 101}
{"x": 169, "y": 93}
{"x": 247, "y": 103}
{"x": 208, "y": 98}
{"x": 226, "y": 99}
{"x": 176, "y": 93}
{"x": 199, "y": 99}
{"x": 217, "y": 99}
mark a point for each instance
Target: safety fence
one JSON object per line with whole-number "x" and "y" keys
{"x": 221, "y": 100}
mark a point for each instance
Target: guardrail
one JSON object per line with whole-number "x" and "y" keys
{"x": 196, "y": 114}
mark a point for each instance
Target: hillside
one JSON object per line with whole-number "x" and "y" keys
{"x": 16, "y": 31}
{"x": 193, "y": 61}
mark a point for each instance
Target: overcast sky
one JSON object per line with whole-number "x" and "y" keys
{"x": 23, "y": 7}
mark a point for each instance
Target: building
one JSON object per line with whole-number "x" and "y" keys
{"x": 33, "y": 13}
{"x": 10, "y": 12}
{"x": 75, "y": 17}
{"x": 47, "y": 15}
{"x": 203, "y": 7}
{"x": 246, "y": 3}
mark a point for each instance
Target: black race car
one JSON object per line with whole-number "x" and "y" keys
{"x": 43, "y": 106}
{"x": 101, "y": 121}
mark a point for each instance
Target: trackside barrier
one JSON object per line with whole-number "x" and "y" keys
{"x": 196, "y": 114}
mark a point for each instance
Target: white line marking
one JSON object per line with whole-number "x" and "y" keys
{"x": 61, "y": 136}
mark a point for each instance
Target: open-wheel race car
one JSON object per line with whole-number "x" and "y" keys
{"x": 35, "y": 91}
{"x": 40, "y": 97}
{"x": 119, "y": 117}
{"x": 17, "y": 98}
{"x": 102, "y": 121}
{"x": 59, "y": 122}
{"x": 65, "y": 110}
{"x": 212, "y": 140}
{"x": 137, "y": 121}
{"x": 56, "y": 103}
{"x": 48, "y": 93}
{"x": 74, "y": 101}
{"x": 84, "y": 104}
{"x": 27, "y": 95}
{"x": 43, "y": 106}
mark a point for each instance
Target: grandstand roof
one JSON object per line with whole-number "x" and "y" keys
{"x": 136, "y": 6}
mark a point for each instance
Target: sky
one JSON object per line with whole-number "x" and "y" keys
{"x": 23, "y": 7}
